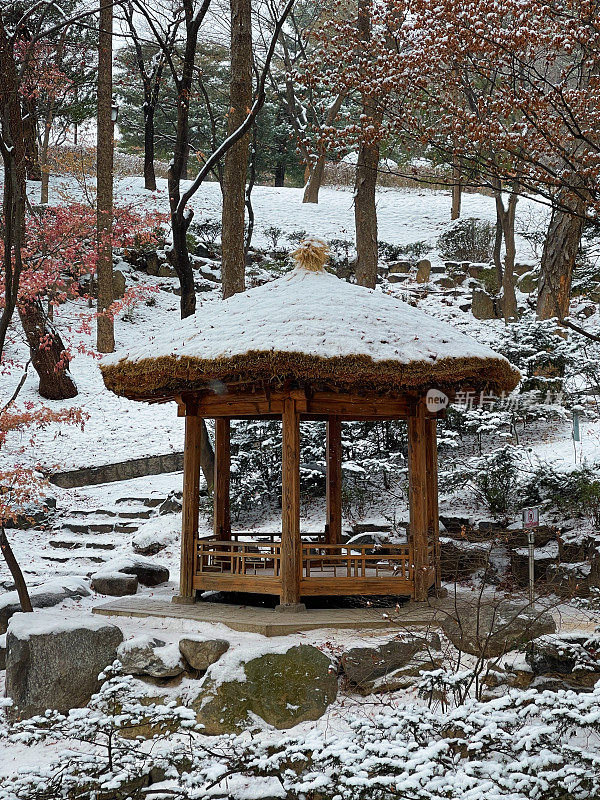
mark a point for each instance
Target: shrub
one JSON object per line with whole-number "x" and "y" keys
{"x": 571, "y": 492}
{"x": 273, "y": 234}
{"x": 468, "y": 240}
{"x": 206, "y": 232}
{"x": 493, "y": 479}
{"x": 412, "y": 251}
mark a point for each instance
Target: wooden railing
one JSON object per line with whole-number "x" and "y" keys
{"x": 255, "y": 566}
{"x": 357, "y": 561}
{"x": 238, "y": 558}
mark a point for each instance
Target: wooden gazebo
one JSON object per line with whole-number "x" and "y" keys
{"x": 308, "y": 346}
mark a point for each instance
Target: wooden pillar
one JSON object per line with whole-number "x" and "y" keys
{"x": 433, "y": 518}
{"x": 222, "y": 516}
{"x": 291, "y": 547}
{"x": 333, "y": 458}
{"x": 417, "y": 492}
{"x": 191, "y": 494}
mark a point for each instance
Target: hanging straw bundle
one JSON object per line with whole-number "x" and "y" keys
{"x": 312, "y": 254}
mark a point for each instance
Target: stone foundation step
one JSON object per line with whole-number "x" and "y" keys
{"x": 149, "y": 502}
{"x": 99, "y": 527}
{"x": 141, "y": 512}
{"x": 93, "y": 556}
{"x": 78, "y": 542}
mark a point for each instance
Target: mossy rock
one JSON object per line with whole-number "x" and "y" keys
{"x": 281, "y": 688}
{"x": 146, "y": 728}
{"x": 527, "y": 283}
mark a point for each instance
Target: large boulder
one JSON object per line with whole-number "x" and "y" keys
{"x": 145, "y": 655}
{"x": 154, "y": 535}
{"x": 114, "y": 584}
{"x": 281, "y": 688}
{"x": 482, "y": 305}
{"x": 459, "y": 558}
{"x": 54, "y": 662}
{"x": 146, "y": 571}
{"x": 493, "y": 628}
{"x": 423, "y": 270}
{"x": 570, "y": 660}
{"x": 201, "y": 653}
{"x": 48, "y": 594}
{"x": 392, "y": 665}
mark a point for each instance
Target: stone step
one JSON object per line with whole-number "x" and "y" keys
{"x": 100, "y": 527}
{"x": 149, "y": 502}
{"x": 141, "y": 512}
{"x": 95, "y": 556}
{"x": 76, "y": 543}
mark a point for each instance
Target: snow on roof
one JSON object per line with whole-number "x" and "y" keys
{"x": 315, "y": 314}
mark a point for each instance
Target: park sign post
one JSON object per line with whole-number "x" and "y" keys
{"x": 531, "y": 520}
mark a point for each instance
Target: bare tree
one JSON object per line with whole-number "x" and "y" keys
{"x": 150, "y": 64}
{"x": 236, "y": 158}
{"x": 365, "y": 212}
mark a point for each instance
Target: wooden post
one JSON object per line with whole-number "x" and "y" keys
{"x": 333, "y": 457}
{"x": 433, "y": 518}
{"x": 222, "y": 516}
{"x": 291, "y": 547}
{"x": 191, "y": 493}
{"x": 417, "y": 491}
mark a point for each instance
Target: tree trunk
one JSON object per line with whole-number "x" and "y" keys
{"x": 32, "y": 162}
{"x": 316, "y": 174}
{"x": 48, "y": 354}
{"x": 15, "y": 571}
{"x": 105, "y": 328}
{"x": 456, "y": 189}
{"x": 14, "y": 200}
{"x": 44, "y": 155}
{"x": 236, "y": 160}
{"x": 280, "y": 173}
{"x": 315, "y": 180}
{"x": 508, "y": 282}
{"x": 149, "y": 174}
{"x": 498, "y": 243}
{"x": 365, "y": 211}
{"x": 180, "y": 220}
{"x": 559, "y": 254}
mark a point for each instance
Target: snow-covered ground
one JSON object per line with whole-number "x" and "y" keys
{"x": 118, "y": 429}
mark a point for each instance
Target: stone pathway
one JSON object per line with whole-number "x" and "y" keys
{"x": 272, "y": 623}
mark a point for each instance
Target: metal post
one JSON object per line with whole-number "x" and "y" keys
{"x": 531, "y": 544}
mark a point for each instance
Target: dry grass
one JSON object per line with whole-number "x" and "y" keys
{"x": 168, "y": 376}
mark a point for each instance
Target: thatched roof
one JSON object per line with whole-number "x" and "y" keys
{"x": 307, "y": 328}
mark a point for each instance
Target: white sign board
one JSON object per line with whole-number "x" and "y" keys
{"x": 531, "y": 517}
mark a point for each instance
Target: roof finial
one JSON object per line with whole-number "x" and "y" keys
{"x": 312, "y": 254}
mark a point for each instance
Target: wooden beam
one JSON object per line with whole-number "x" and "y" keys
{"x": 221, "y": 507}
{"x": 433, "y": 518}
{"x": 191, "y": 493}
{"x": 333, "y": 458}
{"x": 291, "y": 546}
{"x": 358, "y": 406}
{"x": 417, "y": 491}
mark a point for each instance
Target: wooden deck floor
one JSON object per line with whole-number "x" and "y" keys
{"x": 271, "y": 623}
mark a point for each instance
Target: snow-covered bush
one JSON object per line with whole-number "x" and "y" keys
{"x": 525, "y": 745}
{"x": 467, "y": 240}
{"x": 493, "y": 478}
{"x": 569, "y": 491}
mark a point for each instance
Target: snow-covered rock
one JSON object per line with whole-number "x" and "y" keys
{"x": 50, "y": 593}
{"x": 154, "y": 535}
{"x": 53, "y": 661}
{"x": 114, "y": 584}
{"x": 145, "y": 655}
{"x": 146, "y": 571}
{"x": 201, "y": 653}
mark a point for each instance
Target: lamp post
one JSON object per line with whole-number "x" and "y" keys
{"x": 107, "y": 116}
